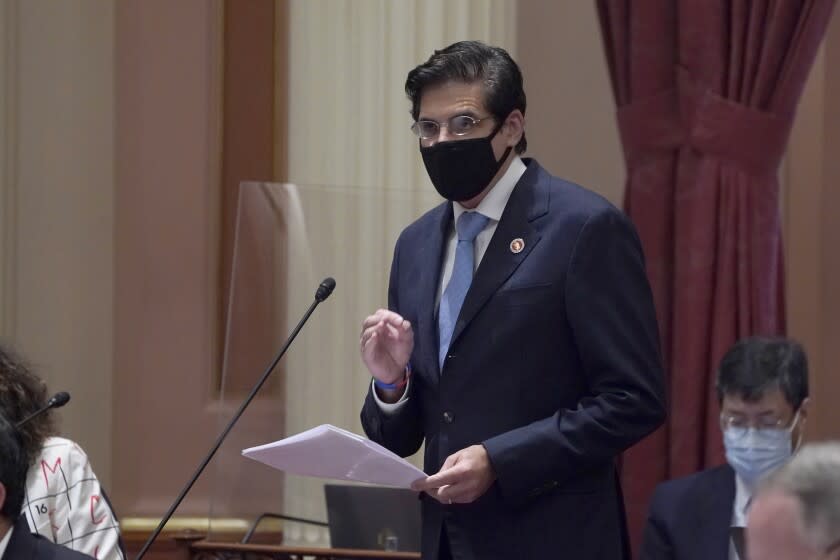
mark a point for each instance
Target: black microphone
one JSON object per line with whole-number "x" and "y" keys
{"x": 323, "y": 292}
{"x": 56, "y": 401}
{"x": 325, "y": 289}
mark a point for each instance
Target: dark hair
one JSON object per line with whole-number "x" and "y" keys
{"x": 21, "y": 394}
{"x": 468, "y": 62}
{"x": 756, "y": 364}
{"x": 13, "y": 469}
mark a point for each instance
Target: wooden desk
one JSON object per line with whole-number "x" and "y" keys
{"x": 194, "y": 545}
{"x": 201, "y": 549}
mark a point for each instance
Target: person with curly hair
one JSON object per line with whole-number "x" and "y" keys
{"x": 16, "y": 542}
{"x": 64, "y": 501}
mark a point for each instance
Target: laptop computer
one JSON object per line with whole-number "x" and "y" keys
{"x": 373, "y": 517}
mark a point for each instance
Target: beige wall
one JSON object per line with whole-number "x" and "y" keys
{"x": 570, "y": 125}
{"x": 57, "y": 193}
{"x": 166, "y": 266}
{"x": 812, "y": 200}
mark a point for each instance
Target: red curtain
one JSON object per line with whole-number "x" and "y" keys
{"x": 706, "y": 94}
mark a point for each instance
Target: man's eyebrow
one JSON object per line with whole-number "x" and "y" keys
{"x": 467, "y": 112}
{"x": 459, "y": 113}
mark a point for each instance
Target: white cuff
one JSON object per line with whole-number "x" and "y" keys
{"x": 391, "y": 408}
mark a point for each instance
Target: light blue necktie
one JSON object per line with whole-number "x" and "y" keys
{"x": 468, "y": 227}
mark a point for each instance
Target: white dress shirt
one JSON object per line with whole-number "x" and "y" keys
{"x": 492, "y": 206}
{"x": 743, "y": 496}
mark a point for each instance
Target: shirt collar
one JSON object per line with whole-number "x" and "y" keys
{"x": 494, "y": 203}
{"x": 743, "y": 497}
{"x": 5, "y": 541}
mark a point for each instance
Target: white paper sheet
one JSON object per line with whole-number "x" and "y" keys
{"x": 329, "y": 452}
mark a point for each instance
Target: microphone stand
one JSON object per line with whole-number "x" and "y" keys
{"x": 56, "y": 401}
{"x": 323, "y": 292}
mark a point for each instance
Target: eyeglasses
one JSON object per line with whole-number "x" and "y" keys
{"x": 458, "y": 125}
{"x": 739, "y": 422}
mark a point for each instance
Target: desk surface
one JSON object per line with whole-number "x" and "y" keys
{"x": 280, "y": 551}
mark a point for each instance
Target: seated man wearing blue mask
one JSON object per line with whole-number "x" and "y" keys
{"x": 762, "y": 386}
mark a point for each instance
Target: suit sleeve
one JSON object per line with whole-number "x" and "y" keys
{"x": 656, "y": 539}
{"x": 609, "y": 308}
{"x": 400, "y": 431}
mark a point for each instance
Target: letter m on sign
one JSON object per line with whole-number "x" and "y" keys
{"x": 54, "y": 469}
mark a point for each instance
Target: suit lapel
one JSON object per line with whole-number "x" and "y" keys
{"x": 715, "y": 514}
{"x": 433, "y": 250}
{"x": 528, "y": 201}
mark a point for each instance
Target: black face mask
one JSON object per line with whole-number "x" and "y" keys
{"x": 461, "y": 169}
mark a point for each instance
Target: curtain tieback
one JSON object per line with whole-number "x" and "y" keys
{"x": 692, "y": 115}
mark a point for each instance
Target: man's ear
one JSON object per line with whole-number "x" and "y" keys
{"x": 2, "y": 496}
{"x": 803, "y": 408}
{"x": 514, "y": 127}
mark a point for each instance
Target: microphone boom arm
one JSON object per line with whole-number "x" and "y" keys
{"x": 56, "y": 401}
{"x": 329, "y": 284}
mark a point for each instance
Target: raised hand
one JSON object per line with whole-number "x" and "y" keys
{"x": 386, "y": 343}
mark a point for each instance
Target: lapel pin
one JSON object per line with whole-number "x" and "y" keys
{"x": 517, "y": 245}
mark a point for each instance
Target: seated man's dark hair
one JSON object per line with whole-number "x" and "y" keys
{"x": 757, "y": 364}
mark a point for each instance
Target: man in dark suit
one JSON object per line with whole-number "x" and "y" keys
{"x": 520, "y": 343}
{"x": 762, "y": 386}
{"x": 16, "y": 542}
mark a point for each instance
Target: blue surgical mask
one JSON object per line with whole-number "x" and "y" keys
{"x": 755, "y": 452}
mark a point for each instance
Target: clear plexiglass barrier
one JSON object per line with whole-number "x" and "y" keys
{"x": 287, "y": 239}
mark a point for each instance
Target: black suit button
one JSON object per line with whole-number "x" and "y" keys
{"x": 448, "y": 417}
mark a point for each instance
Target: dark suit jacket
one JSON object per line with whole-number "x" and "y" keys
{"x": 554, "y": 367}
{"x": 690, "y": 517}
{"x": 24, "y": 545}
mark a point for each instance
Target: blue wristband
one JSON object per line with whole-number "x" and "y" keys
{"x": 394, "y": 386}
